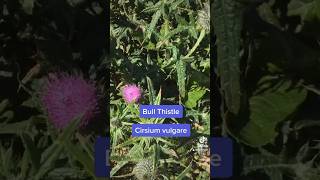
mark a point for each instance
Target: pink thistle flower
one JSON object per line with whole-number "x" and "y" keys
{"x": 66, "y": 97}
{"x": 131, "y": 93}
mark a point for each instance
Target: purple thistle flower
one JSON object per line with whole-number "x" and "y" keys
{"x": 131, "y": 93}
{"x": 66, "y": 97}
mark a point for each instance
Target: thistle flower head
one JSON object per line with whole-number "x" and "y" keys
{"x": 131, "y": 93}
{"x": 66, "y": 97}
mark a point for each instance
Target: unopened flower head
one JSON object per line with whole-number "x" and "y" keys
{"x": 131, "y": 93}
{"x": 66, "y": 97}
{"x": 204, "y": 17}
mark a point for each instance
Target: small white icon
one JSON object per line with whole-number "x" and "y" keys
{"x": 202, "y": 146}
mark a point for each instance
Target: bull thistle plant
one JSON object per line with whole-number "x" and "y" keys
{"x": 161, "y": 53}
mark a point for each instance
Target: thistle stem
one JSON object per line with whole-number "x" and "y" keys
{"x": 201, "y": 36}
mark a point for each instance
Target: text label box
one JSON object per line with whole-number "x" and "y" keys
{"x": 101, "y": 157}
{"x": 221, "y": 165}
{"x": 161, "y": 130}
{"x": 161, "y": 111}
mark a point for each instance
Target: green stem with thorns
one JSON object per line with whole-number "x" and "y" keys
{"x": 202, "y": 34}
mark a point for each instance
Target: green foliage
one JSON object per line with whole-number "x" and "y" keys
{"x": 268, "y": 78}
{"x": 309, "y": 10}
{"x": 163, "y": 46}
{"x": 39, "y": 163}
{"x": 194, "y": 95}
{"x": 278, "y": 166}
{"x": 181, "y": 73}
{"x": 227, "y": 25}
{"x": 268, "y": 109}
